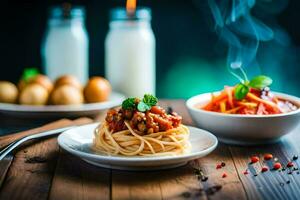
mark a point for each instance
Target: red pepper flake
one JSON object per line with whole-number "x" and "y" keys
{"x": 268, "y": 156}
{"x": 224, "y": 175}
{"x": 219, "y": 166}
{"x": 276, "y": 166}
{"x": 290, "y": 164}
{"x": 245, "y": 172}
{"x": 264, "y": 169}
{"x": 254, "y": 159}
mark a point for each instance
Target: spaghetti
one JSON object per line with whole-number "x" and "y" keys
{"x": 132, "y": 132}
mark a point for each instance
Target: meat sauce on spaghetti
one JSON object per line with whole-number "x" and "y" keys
{"x": 142, "y": 128}
{"x": 151, "y": 121}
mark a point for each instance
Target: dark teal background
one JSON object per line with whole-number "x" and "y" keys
{"x": 191, "y": 58}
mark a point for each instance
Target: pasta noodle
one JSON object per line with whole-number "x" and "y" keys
{"x": 129, "y": 143}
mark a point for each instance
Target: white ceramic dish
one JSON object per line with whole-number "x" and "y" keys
{"x": 244, "y": 129}
{"x": 78, "y": 141}
{"x": 56, "y": 111}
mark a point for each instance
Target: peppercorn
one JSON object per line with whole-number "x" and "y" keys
{"x": 295, "y": 168}
{"x": 223, "y": 164}
{"x": 264, "y": 169}
{"x": 295, "y": 157}
{"x": 204, "y": 178}
{"x": 288, "y": 182}
{"x": 254, "y": 159}
{"x": 290, "y": 164}
{"x": 268, "y": 156}
{"x": 276, "y": 166}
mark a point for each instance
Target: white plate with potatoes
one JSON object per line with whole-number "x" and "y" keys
{"x": 37, "y": 96}
{"x": 47, "y": 111}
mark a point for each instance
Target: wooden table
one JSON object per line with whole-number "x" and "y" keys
{"x": 41, "y": 170}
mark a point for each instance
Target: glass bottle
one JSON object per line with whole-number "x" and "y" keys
{"x": 65, "y": 47}
{"x": 130, "y": 52}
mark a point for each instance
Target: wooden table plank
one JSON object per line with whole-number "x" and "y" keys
{"x": 181, "y": 183}
{"x": 135, "y": 185}
{"x": 30, "y": 174}
{"x": 175, "y": 183}
{"x": 75, "y": 179}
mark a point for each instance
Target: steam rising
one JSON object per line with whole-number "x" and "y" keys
{"x": 240, "y": 30}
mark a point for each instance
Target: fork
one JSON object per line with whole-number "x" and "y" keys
{"x": 20, "y": 141}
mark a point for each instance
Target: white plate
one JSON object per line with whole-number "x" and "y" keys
{"x": 78, "y": 141}
{"x": 48, "y": 111}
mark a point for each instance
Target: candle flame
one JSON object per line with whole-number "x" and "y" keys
{"x": 130, "y": 5}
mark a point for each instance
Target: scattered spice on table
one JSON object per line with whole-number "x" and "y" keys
{"x": 212, "y": 190}
{"x": 290, "y": 164}
{"x": 276, "y": 166}
{"x": 223, "y": 164}
{"x": 264, "y": 169}
{"x": 224, "y": 175}
{"x": 219, "y": 166}
{"x": 246, "y": 172}
{"x": 288, "y": 181}
{"x": 295, "y": 169}
{"x": 295, "y": 157}
{"x": 201, "y": 176}
{"x": 268, "y": 156}
{"x": 254, "y": 159}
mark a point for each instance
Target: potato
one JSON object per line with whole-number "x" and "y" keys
{"x": 34, "y": 94}
{"x": 8, "y": 92}
{"x": 97, "y": 89}
{"x": 68, "y": 80}
{"x": 39, "y": 79}
{"x": 66, "y": 95}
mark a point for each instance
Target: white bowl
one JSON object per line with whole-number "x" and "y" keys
{"x": 244, "y": 129}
